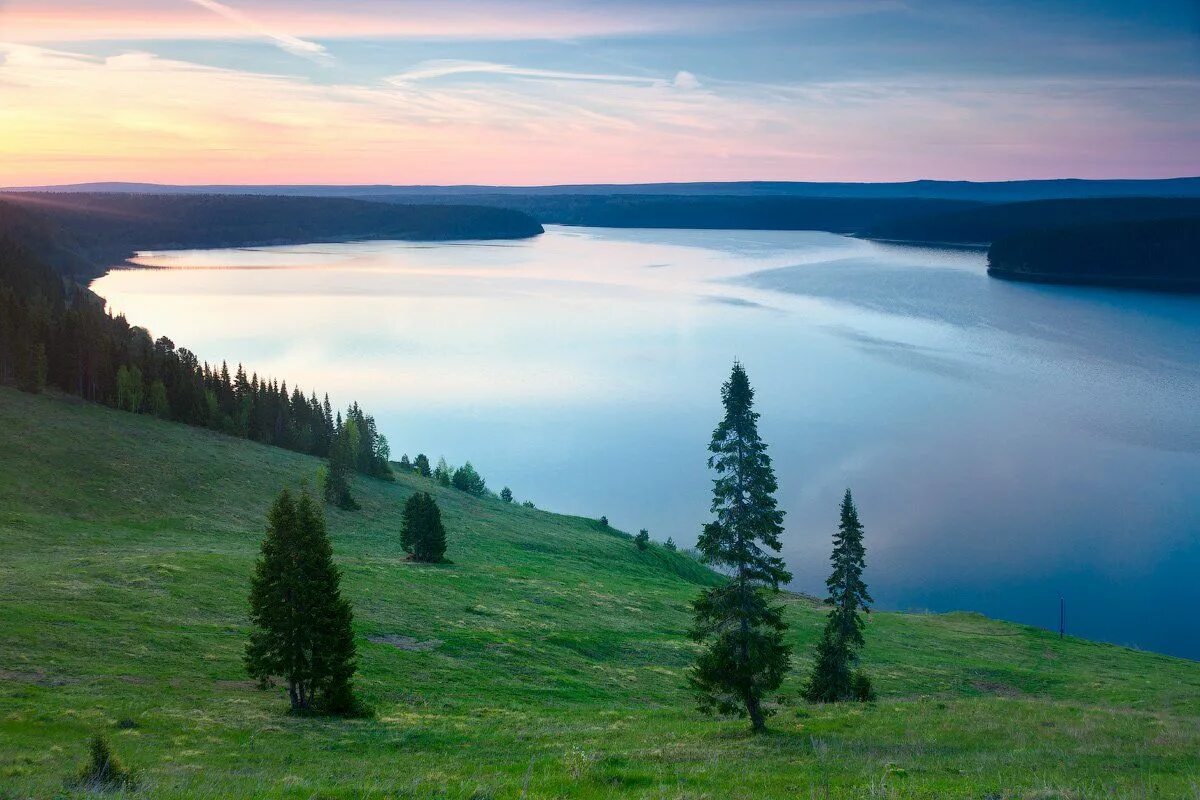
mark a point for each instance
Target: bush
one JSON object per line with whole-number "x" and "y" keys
{"x": 103, "y": 772}
{"x": 861, "y": 688}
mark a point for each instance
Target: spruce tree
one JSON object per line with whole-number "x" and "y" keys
{"x": 466, "y": 479}
{"x": 421, "y": 465}
{"x": 423, "y": 535}
{"x": 670, "y": 544}
{"x": 642, "y": 540}
{"x": 833, "y": 678}
{"x": 338, "y": 471}
{"x": 506, "y": 494}
{"x": 744, "y": 656}
{"x": 301, "y": 630}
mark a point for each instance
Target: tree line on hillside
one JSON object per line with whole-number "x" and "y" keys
{"x": 301, "y": 624}
{"x": 84, "y": 233}
{"x": 55, "y": 333}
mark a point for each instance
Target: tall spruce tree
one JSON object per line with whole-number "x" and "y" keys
{"x": 744, "y": 656}
{"x": 301, "y": 624}
{"x": 833, "y": 678}
{"x": 339, "y": 469}
{"x": 422, "y": 534}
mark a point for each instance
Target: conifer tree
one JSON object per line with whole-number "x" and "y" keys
{"x": 642, "y": 540}
{"x": 833, "y": 678}
{"x": 670, "y": 544}
{"x": 338, "y": 470}
{"x": 421, "y": 465}
{"x": 744, "y": 656}
{"x": 506, "y": 494}
{"x": 301, "y": 624}
{"x": 466, "y": 479}
{"x": 443, "y": 472}
{"x": 422, "y": 534}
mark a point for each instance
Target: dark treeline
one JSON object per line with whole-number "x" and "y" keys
{"x": 1158, "y": 254}
{"x": 988, "y": 223}
{"x": 84, "y": 234}
{"x": 56, "y": 333}
{"x": 837, "y": 214}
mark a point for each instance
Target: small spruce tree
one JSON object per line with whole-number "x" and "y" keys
{"x": 443, "y": 472}
{"x": 743, "y": 656}
{"x": 670, "y": 544}
{"x": 642, "y": 540}
{"x": 421, "y": 465}
{"x": 833, "y": 677}
{"x": 423, "y": 535}
{"x": 506, "y": 494}
{"x": 103, "y": 772}
{"x": 301, "y": 624}
{"x": 466, "y": 479}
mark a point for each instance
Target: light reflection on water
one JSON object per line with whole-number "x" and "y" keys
{"x": 1006, "y": 442}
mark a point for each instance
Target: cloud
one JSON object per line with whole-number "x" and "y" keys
{"x": 685, "y": 80}
{"x": 441, "y": 68}
{"x": 287, "y": 42}
{"x": 136, "y": 116}
{"x": 39, "y": 21}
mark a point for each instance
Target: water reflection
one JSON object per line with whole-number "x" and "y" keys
{"x": 1005, "y": 442}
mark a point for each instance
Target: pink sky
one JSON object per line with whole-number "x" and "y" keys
{"x": 94, "y": 91}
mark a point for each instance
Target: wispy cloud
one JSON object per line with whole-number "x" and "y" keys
{"x": 512, "y": 20}
{"x": 285, "y": 41}
{"x": 442, "y": 68}
{"x": 136, "y": 116}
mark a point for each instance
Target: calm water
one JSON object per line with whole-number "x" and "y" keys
{"x": 1006, "y": 443}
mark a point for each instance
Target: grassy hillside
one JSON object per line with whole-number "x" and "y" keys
{"x": 547, "y": 661}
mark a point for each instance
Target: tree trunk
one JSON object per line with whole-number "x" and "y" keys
{"x": 757, "y": 723}
{"x": 294, "y": 695}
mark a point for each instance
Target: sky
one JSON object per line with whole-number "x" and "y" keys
{"x": 583, "y": 91}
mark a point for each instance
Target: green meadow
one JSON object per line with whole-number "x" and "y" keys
{"x": 548, "y": 660}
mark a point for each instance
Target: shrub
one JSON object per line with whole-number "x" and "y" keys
{"x": 861, "y": 688}
{"x": 103, "y": 772}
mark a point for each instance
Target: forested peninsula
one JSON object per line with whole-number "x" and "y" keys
{"x": 85, "y": 234}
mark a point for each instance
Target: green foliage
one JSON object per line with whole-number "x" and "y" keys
{"x": 832, "y": 678}
{"x": 744, "y": 656}
{"x": 603, "y": 522}
{"x": 528, "y": 504}
{"x": 670, "y": 544}
{"x": 423, "y": 535}
{"x": 506, "y": 494}
{"x": 341, "y": 462}
{"x": 158, "y": 404}
{"x": 301, "y": 624}
{"x": 466, "y": 479}
{"x": 421, "y": 465}
{"x": 642, "y": 540}
{"x": 103, "y": 771}
{"x": 443, "y": 472}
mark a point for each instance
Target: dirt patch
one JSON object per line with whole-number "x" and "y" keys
{"x": 37, "y": 678}
{"x": 405, "y": 642}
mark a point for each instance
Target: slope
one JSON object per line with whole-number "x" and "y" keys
{"x": 548, "y": 660}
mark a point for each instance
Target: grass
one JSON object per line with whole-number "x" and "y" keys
{"x": 548, "y": 660}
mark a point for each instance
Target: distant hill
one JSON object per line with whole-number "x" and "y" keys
{"x": 85, "y": 233}
{"x": 1161, "y": 254}
{"x": 836, "y": 214}
{"x": 986, "y": 191}
{"x": 986, "y": 223}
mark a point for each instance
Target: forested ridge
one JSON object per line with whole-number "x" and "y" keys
{"x": 984, "y": 224}
{"x": 1155, "y": 254}
{"x": 57, "y": 333}
{"x": 86, "y": 233}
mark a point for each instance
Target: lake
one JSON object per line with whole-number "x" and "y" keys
{"x": 1006, "y": 443}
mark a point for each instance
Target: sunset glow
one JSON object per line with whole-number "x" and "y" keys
{"x": 263, "y": 91}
